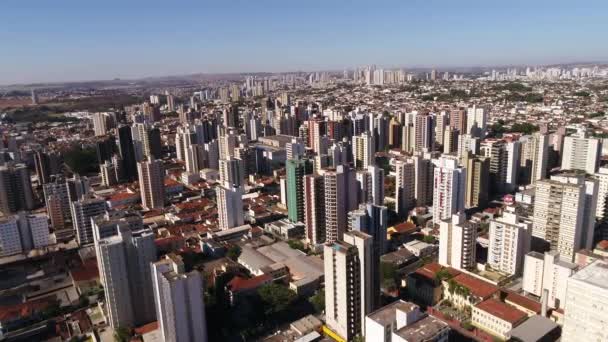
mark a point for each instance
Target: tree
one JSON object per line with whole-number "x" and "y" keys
{"x": 276, "y": 297}
{"x": 234, "y": 252}
{"x": 387, "y": 270}
{"x": 429, "y": 239}
{"x": 122, "y": 334}
{"x": 318, "y": 300}
{"x": 82, "y": 161}
{"x": 296, "y": 244}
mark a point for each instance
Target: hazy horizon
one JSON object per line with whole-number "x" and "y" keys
{"x": 70, "y": 41}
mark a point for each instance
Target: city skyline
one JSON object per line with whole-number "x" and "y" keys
{"x": 131, "y": 41}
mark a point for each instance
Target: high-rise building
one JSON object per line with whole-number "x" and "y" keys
{"x": 534, "y": 157}
{"x": 10, "y": 239}
{"x": 546, "y": 275}
{"x": 232, "y": 171}
{"x": 57, "y": 201}
{"x": 449, "y": 188}
{"x": 229, "y": 206}
{"x": 105, "y": 148}
{"x": 510, "y": 240}
{"x": 23, "y": 232}
{"x": 458, "y": 120}
{"x": 457, "y": 242}
{"x": 363, "y": 150}
{"x": 348, "y": 275}
{"x": 591, "y": 186}
{"x": 424, "y": 132}
{"x": 372, "y": 219}
{"x": 103, "y": 122}
{"x": 15, "y": 188}
{"x": 586, "y": 310}
{"x": 295, "y": 148}
{"x": 405, "y": 186}
{"x": 124, "y": 266}
{"x": 495, "y": 150}
{"x": 152, "y": 183}
{"x": 478, "y": 181}
{"x": 296, "y": 169}
{"x": 513, "y": 152}
{"x": 314, "y": 209}
{"x": 376, "y": 174}
{"x": 559, "y": 207}
{"x": 336, "y": 203}
{"x": 170, "y": 103}
{"x": 47, "y": 164}
{"x": 230, "y": 116}
{"x": 424, "y": 174}
{"x": 127, "y": 153}
{"x": 82, "y": 211}
{"x": 477, "y": 121}
{"x": 178, "y": 298}
{"x": 581, "y": 153}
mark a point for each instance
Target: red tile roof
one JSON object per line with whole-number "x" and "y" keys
{"x": 13, "y": 312}
{"x": 603, "y": 245}
{"x": 522, "y": 301}
{"x": 88, "y": 271}
{"x": 477, "y": 287}
{"x": 144, "y": 329}
{"x": 502, "y": 311}
{"x": 239, "y": 283}
{"x": 430, "y": 270}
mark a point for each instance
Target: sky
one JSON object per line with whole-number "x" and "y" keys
{"x": 69, "y": 40}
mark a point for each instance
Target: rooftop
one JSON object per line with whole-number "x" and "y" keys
{"x": 595, "y": 274}
{"x": 534, "y": 328}
{"x": 387, "y": 314}
{"x": 501, "y": 310}
{"x": 423, "y": 330}
{"x": 477, "y": 287}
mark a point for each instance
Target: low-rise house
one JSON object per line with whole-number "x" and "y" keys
{"x": 496, "y": 318}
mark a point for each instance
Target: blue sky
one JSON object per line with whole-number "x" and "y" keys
{"x": 63, "y": 40}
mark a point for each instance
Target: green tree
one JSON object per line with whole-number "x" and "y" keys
{"x": 296, "y": 244}
{"x": 318, "y": 300}
{"x": 276, "y": 297}
{"x": 82, "y": 161}
{"x": 122, "y": 334}
{"x": 387, "y": 270}
{"x": 429, "y": 239}
{"x": 233, "y": 252}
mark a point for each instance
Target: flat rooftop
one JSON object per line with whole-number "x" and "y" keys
{"x": 423, "y": 330}
{"x": 595, "y": 274}
{"x": 386, "y": 315}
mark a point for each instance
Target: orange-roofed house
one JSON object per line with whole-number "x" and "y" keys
{"x": 424, "y": 285}
{"x": 240, "y": 286}
{"x": 465, "y": 290}
{"x": 496, "y": 317}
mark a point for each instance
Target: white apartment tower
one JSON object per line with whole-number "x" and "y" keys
{"x": 82, "y": 212}
{"x": 586, "y": 311}
{"x": 178, "y": 299}
{"x": 581, "y": 153}
{"x": 457, "y": 240}
{"x": 547, "y": 274}
{"x": 558, "y": 215}
{"x": 124, "y": 265}
{"x": 151, "y": 183}
{"x": 449, "y": 188}
{"x": 405, "y": 192}
{"x": 477, "y": 121}
{"x": 348, "y": 271}
{"x": 510, "y": 240}
{"x": 364, "y": 150}
{"x": 229, "y": 206}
